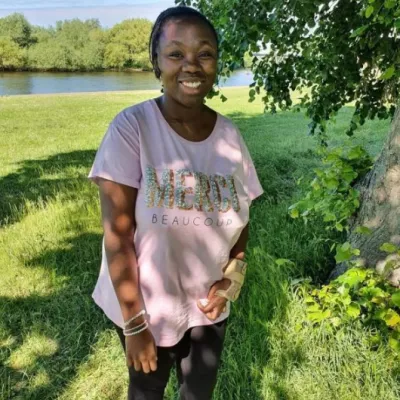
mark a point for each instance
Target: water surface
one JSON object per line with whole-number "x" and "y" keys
{"x": 13, "y": 83}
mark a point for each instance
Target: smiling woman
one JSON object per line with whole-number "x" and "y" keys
{"x": 176, "y": 183}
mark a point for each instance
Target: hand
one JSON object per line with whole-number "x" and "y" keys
{"x": 216, "y": 304}
{"x": 141, "y": 351}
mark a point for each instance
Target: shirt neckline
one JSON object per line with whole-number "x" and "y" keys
{"x": 176, "y": 134}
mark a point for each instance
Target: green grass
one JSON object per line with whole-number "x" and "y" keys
{"x": 55, "y": 343}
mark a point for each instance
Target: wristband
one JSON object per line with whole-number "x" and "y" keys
{"x": 235, "y": 271}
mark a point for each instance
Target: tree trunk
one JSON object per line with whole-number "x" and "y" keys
{"x": 380, "y": 209}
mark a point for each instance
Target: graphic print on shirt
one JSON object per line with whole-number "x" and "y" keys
{"x": 209, "y": 193}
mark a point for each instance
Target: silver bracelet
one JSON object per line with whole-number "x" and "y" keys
{"x": 135, "y": 328}
{"x": 137, "y": 332}
{"x": 140, "y": 313}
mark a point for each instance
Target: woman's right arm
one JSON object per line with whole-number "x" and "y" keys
{"x": 118, "y": 216}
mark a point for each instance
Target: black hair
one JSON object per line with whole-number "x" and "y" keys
{"x": 165, "y": 16}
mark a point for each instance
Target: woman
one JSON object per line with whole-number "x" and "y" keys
{"x": 176, "y": 182}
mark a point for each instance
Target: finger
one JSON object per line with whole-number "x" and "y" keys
{"x": 214, "y": 314}
{"x": 137, "y": 365}
{"x": 145, "y": 367}
{"x": 210, "y": 316}
{"x": 217, "y": 311}
{"x": 129, "y": 362}
{"x": 211, "y": 305}
{"x": 211, "y": 292}
{"x": 153, "y": 364}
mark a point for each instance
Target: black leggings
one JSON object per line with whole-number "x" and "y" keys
{"x": 197, "y": 357}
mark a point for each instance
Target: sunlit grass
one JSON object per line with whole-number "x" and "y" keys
{"x": 55, "y": 343}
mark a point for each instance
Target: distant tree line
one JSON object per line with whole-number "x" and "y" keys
{"x": 73, "y": 45}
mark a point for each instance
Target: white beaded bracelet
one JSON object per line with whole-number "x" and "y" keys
{"x": 135, "y": 328}
{"x": 138, "y": 331}
{"x": 140, "y": 313}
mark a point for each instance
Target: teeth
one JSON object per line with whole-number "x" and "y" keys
{"x": 191, "y": 84}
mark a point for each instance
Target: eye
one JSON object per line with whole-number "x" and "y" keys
{"x": 206, "y": 54}
{"x": 175, "y": 54}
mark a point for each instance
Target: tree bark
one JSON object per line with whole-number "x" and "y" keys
{"x": 380, "y": 209}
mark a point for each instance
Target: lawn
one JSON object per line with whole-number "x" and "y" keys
{"x": 56, "y": 344}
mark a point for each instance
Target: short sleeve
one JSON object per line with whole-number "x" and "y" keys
{"x": 118, "y": 157}
{"x": 254, "y": 188}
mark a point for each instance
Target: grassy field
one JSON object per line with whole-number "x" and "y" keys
{"x": 55, "y": 343}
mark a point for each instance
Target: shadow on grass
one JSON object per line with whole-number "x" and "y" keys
{"x": 277, "y": 168}
{"x": 41, "y": 180}
{"x": 68, "y": 318}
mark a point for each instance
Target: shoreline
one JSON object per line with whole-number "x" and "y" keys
{"x": 104, "y": 92}
{"x": 66, "y": 71}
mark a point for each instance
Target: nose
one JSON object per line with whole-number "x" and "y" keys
{"x": 191, "y": 64}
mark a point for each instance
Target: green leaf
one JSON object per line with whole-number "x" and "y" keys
{"x": 355, "y": 152}
{"x": 343, "y": 253}
{"x": 388, "y": 248}
{"x": 380, "y": 314}
{"x": 359, "y": 31}
{"x": 369, "y": 11}
{"x": 396, "y": 298}
{"x": 309, "y": 300}
{"x": 319, "y": 316}
{"x": 223, "y": 98}
{"x": 390, "y": 4}
{"x": 363, "y": 230}
{"x": 328, "y": 217}
{"x": 294, "y": 213}
{"x": 392, "y": 319}
{"x": 388, "y": 73}
{"x": 353, "y": 310}
{"x": 353, "y": 276}
{"x": 339, "y": 227}
{"x": 283, "y": 261}
{"x": 314, "y": 308}
{"x": 332, "y": 183}
{"x": 394, "y": 343}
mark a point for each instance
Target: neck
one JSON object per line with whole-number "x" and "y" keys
{"x": 179, "y": 112}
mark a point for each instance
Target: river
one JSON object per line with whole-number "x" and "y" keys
{"x": 13, "y": 83}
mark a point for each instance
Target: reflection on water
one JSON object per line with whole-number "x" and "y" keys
{"x": 15, "y": 83}
{"x": 12, "y": 83}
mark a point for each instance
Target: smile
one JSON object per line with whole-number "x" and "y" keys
{"x": 193, "y": 85}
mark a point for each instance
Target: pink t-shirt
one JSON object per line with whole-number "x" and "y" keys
{"x": 192, "y": 204}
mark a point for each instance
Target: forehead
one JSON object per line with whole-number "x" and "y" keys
{"x": 188, "y": 30}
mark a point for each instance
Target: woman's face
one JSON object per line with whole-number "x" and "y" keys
{"x": 187, "y": 58}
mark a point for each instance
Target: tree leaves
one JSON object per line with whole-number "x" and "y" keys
{"x": 388, "y": 73}
{"x": 359, "y": 31}
{"x": 389, "y": 248}
{"x": 73, "y": 45}
{"x": 390, "y": 4}
{"x": 335, "y": 61}
{"x": 353, "y": 310}
{"x": 363, "y": 230}
{"x": 369, "y": 11}
{"x": 343, "y": 252}
{"x": 396, "y": 298}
